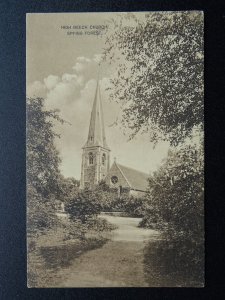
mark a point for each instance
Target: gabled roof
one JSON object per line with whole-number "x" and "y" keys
{"x": 136, "y": 179}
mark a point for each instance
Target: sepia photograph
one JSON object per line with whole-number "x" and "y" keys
{"x": 115, "y": 149}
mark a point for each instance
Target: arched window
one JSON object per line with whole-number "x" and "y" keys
{"x": 91, "y": 158}
{"x": 103, "y": 158}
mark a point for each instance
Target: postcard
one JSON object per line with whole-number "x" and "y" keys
{"x": 115, "y": 149}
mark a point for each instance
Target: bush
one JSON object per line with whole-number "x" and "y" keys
{"x": 109, "y": 200}
{"x": 133, "y": 206}
{"x": 83, "y": 205}
{"x": 106, "y": 196}
{"x": 40, "y": 212}
{"x": 175, "y": 205}
{"x": 99, "y": 225}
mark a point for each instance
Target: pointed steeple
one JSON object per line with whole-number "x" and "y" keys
{"x": 96, "y": 135}
{"x": 96, "y": 153}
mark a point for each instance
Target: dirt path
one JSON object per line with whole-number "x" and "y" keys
{"x": 119, "y": 263}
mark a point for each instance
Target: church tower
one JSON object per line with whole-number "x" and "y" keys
{"x": 96, "y": 153}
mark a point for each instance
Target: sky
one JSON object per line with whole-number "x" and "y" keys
{"x": 63, "y": 68}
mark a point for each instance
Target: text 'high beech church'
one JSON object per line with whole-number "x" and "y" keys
{"x": 96, "y": 159}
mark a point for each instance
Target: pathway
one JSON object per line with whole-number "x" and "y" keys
{"x": 119, "y": 263}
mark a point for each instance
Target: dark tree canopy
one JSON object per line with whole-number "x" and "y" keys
{"x": 159, "y": 79}
{"x": 175, "y": 205}
{"x": 42, "y": 156}
{"x": 43, "y": 160}
{"x": 176, "y": 193}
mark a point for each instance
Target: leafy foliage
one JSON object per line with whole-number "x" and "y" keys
{"x": 49, "y": 236}
{"x": 110, "y": 201}
{"x": 42, "y": 157}
{"x": 172, "y": 262}
{"x": 83, "y": 205}
{"x": 159, "y": 84}
{"x": 40, "y": 214}
{"x": 67, "y": 188}
{"x": 42, "y": 165}
{"x": 99, "y": 225}
{"x": 159, "y": 79}
{"x": 106, "y": 196}
{"x": 133, "y": 206}
{"x": 175, "y": 205}
{"x": 45, "y": 184}
{"x": 175, "y": 196}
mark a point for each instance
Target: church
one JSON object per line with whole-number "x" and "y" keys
{"x": 96, "y": 159}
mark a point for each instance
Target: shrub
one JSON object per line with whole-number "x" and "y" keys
{"x": 40, "y": 212}
{"x": 175, "y": 205}
{"x": 83, "y": 205}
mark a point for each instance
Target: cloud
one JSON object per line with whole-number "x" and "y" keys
{"x": 64, "y": 93}
{"x": 36, "y": 89}
{"x": 83, "y": 59}
{"x": 88, "y": 67}
{"x": 73, "y": 93}
{"x": 84, "y": 70}
{"x": 51, "y": 81}
{"x": 79, "y": 67}
{"x": 69, "y": 77}
{"x": 98, "y": 58}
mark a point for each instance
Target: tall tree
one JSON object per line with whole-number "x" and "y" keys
{"x": 42, "y": 156}
{"x": 175, "y": 205}
{"x": 175, "y": 195}
{"x": 159, "y": 79}
{"x": 42, "y": 165}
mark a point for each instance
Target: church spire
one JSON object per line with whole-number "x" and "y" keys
{"x": 96, "y": 153}
{"x": 96, "y": 135}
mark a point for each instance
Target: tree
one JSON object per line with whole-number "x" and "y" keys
{"x": 40, "y": 214}
{"x": 175, "y": 205}
{"x": 68, "y": 188}
{"x": 159, "y": 79}
{"x": 175, "y": 194}
{"x": 42, "y": 165}
{"x": 42, "y": 156}
{"x": 107, "y": 196}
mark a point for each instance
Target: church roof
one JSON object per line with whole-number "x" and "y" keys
{"x": 136, "y": 179}
{"x": 96, "y": 135}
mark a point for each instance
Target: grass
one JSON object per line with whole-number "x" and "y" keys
{"x": 167, "y": 265}
{"x": 50, "y": 252}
